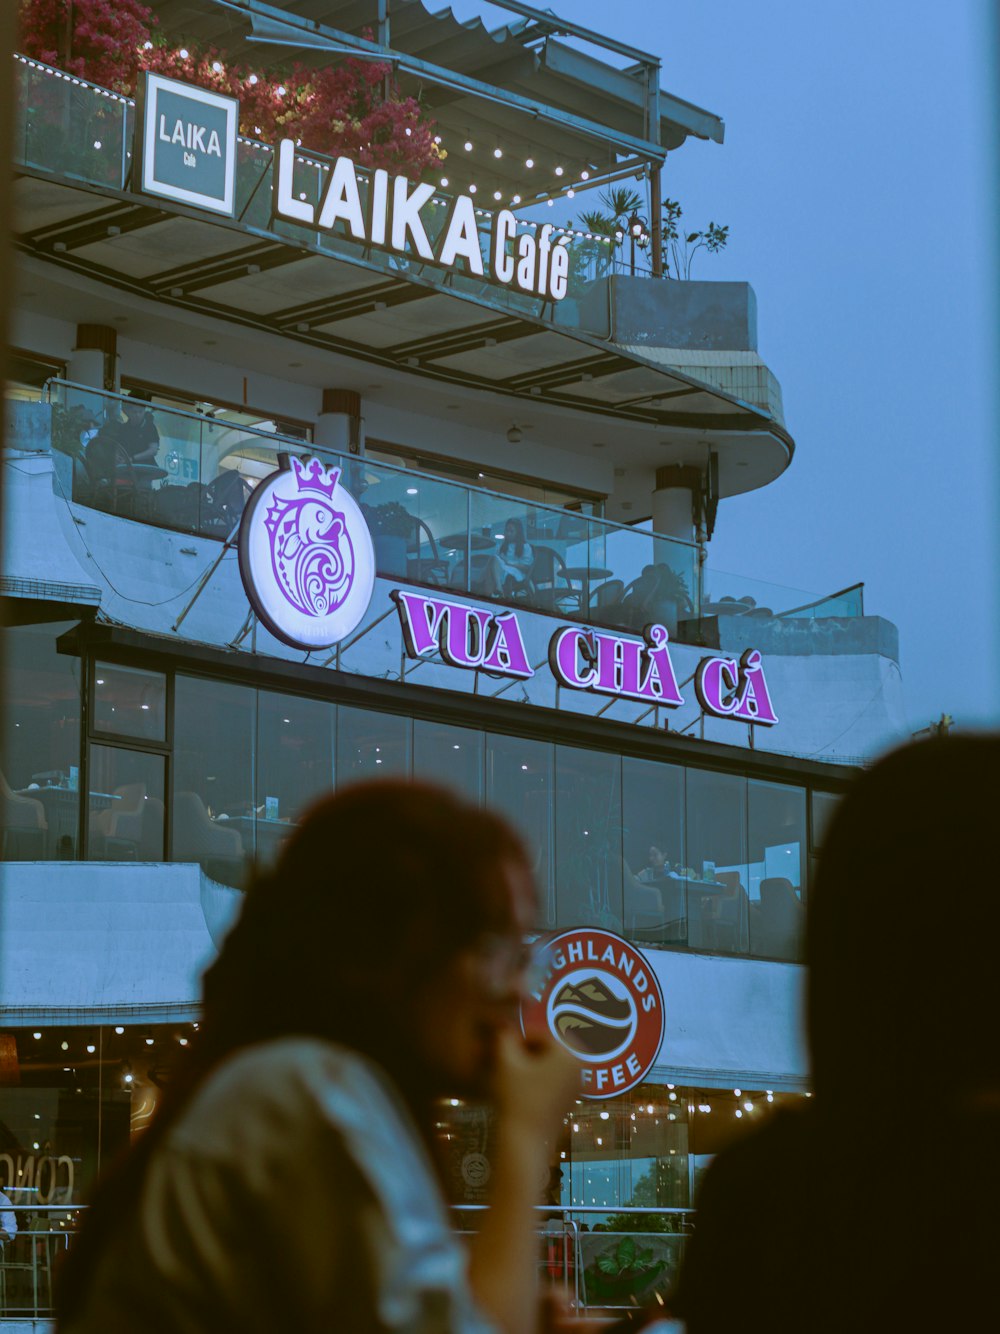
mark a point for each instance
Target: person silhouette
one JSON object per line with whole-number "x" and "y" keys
{"x": 873, "y": 1206}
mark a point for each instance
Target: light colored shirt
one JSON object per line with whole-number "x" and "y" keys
{"x": 8, "y": 1219}
{"x": 294, "y": 1192}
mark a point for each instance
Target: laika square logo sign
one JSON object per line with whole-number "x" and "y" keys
{"x": 188, "y": 144}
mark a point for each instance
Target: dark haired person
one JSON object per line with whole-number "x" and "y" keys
{"x": 137, "y": 434}
{"x": 287, "y": 1180}
{"x": 874, "y": 1205}
{"x": 511, "y": 564}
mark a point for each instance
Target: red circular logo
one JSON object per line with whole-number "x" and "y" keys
{"x": 598, "y": 996}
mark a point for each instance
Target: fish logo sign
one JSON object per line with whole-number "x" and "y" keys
{"x": 599, "y": 997}
{"x": 306, "y": 556}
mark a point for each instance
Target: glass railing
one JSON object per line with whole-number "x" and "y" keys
{"x": 76, "y": 129}
{"x": 194, "y": 474}
{"x": 726, "y": 594}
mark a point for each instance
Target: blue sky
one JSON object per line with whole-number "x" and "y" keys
{"x": 856, "y": 181}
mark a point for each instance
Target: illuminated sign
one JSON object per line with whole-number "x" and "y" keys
{"x": 187, "y": 144}
{"x": 306, "y": 556}
{"x": 394, "y": 216}
{"x": 597, "y": 996}
{"x": 581, "y": 658}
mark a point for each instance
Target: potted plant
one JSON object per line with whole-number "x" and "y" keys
{"x": 622, "y": 1273}
{"x": 391, "y": 527}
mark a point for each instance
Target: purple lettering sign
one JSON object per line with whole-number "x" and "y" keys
{"x": 616, "y": 664}
{"x": 730, "y": 689}
{"x": 471, "y": 637}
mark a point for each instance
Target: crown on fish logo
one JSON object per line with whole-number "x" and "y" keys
{"x": 314, "y": 477}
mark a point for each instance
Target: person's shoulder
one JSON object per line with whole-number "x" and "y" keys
{"x": 286, "y": 1082}
{"x": 775, "y": 1155}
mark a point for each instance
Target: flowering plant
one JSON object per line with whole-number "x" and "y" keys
{"x": 353, "y": 107}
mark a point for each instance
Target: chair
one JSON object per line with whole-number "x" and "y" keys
{"x": 138, "y": 834}
{"x": 637, "y": 597}
{"x": 430, "y": 569}
{"x": 23, "y": 822}
{"x": 732, "y": 915}
{"x": 109, "y": 470}
{"x": 607, "y": 595}
{"x": 542, "y": 589}
{"x": 198, "y": 838}
{"x": 643, "y": 908}
{"x": 779, "y": 920}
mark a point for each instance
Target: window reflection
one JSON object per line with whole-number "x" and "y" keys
{"x": 519, "y": 783}
{"x": 716, "y": 874}
{"x": 655, "y": 890}
{"x": 125, "y": 809}
{"x": 371, "y": 745}
{"x": 449, "y": 755}
{"x": 588, "y": 823}
{"x": 777, "y": 839}
{"x": 295, "y": 751}
{"x": 129, "y": 702}
{"x": 40, "y": 738}
{"x": 213, "y": 812}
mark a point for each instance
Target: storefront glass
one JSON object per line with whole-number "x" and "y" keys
{"x": 670, "y": 855}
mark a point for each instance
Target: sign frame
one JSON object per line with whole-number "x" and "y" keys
{"x": 147, "y": 111}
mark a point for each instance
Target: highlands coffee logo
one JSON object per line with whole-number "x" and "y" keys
{"x": 599, "y": 997}
{"x": 306, "y": 556}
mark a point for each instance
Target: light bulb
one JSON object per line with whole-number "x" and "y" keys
{"x": 559, "y": 171}
{"x": 468, "y": 145}
{"x": 444, "y": 182}
{"x": 216, "y": 66}
{"x": 252, "y": 79}
{"x": 183, "y": 53}
{"x": 529, "y": 162}
{"x": 472, "y": 189}
{"x": 498, "y": 152}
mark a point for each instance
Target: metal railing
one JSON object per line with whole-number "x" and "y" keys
{"x": 426, "y": 530}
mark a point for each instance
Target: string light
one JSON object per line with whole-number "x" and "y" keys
{"x": 498, "y": 152}
{"x": 472, "y": 189}
{"x": 444, "y": 182}
{"x": 468, "y": 145}
{"x": 559, "y": 171}
{"x": 183, "y": 53}
{"x": 497, "y": 195}
{"x": 529, "y": 162}
{"x": 217, "y": 66}
{"x": 252, "y": 80}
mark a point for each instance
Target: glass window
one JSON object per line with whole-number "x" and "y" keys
{"x": 125, "y": 812}
{"x": 777, "y": 837}
{"x": 655, "y": 892}
{"x": 70, "y": 1100}
{"x": 823, "y": 806}
{"x": 213, "y": 777}
{"x": 371, "y": 745}
{"x": 40, "y": 740}
{"x": 295, "y": 751}
{"x": 449, "y": 755}
{"x": 130, "y": 701}
{"x": 588, "y": 826}
{"x": 716, "y": 875}
{"x": 519, "y": 783}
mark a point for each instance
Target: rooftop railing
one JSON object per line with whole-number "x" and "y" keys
{"x": 80, "y": 131}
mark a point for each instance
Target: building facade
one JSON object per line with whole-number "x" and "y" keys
{"x": 538, "y": 457}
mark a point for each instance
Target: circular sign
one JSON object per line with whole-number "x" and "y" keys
{"x": 306, "y": 556}
{"x": 599, "y": 997}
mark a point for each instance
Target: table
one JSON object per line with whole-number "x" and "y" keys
{"x": 462, "y": 541}
{"x": 270, "y": 834}
{"x": 678, "y": 919}
{"x": 61, "y": 805}
{"x": 724, "y": 608}
{"x": 585, "y": 573}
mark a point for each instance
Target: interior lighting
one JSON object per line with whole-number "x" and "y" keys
{"x": 150, "y": 1041}
{"x": 738, "y": 1092}
{"x": 119, "y": 1029}
{"x": 97, "y": 143}
{"x": 605, "y": 1115}
{"x": 36, "y": 1036}
{"x": 738, "y": 1113}
{"x": 183, "y": 1041}
{"x": 524, "y": 768}
{"x": 672, "y": 1097}
{"x": 599, "y": 1140}
{"x": 128, "y": 1077}
{"x": 670, "y": 1086}
{"x": 770, "y": 1097}
{"x": 411, "y": 490}
{"x": 91, "y": 1048}
{"x": 748, "y": 1106}
{"x": 64, "y": 1046}
{"x": 576, "y": 1128}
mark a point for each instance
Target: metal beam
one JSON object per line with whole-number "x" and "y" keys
{"x": 553, "y": 23}
{"x": 280, "y": 28}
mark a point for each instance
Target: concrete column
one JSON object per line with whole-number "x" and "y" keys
{"x": 340, "y": 425}
{"x": 94, "y": 359}
{"x": 674, "y": 501}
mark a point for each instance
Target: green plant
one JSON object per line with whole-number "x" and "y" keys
{"x": 679, "y": 251}
{"x": 674, "y": 586}
{"x": 389, "y": 519}
{"x": 622, "y": 1272}
{"x": 661, "y": 1224}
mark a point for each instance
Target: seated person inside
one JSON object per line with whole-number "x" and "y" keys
{"x": 509, "y": 568}
{"x": 656, "y": 866}
{"x": 138, "y": 434}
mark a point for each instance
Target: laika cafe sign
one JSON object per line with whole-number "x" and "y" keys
{"x": 395, "y": 216}
{"x": 307, "y": 563}
{"x": 186, "y": 141}
{"x": 596, "y": 994}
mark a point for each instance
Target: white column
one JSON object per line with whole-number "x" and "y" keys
{"x": 673, "y": 507}
{"x": 340, "y": 425}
